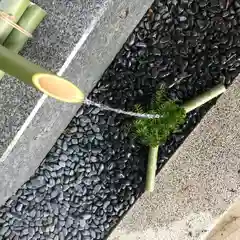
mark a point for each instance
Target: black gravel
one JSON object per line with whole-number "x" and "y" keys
{"x": 96, "y": 170}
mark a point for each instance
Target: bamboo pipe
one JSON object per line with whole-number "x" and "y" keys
{"x": 29, "y": 21}
{"x": 203, "y": 98}
{"x": 151, "y": 168}
{"x": 14, "y": 7}
{"x": 38, "y": 77}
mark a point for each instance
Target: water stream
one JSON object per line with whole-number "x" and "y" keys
{"x": 120, "y": 111}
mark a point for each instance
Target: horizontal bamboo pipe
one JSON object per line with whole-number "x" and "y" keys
{"x": 38, "y": 77}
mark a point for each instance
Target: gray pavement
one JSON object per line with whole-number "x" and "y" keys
{"x": 197, "y": 184}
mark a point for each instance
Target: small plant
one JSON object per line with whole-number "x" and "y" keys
{"x": 155, "y": 131}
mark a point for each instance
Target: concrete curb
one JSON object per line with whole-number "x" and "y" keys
{"x": 96, "y": 44}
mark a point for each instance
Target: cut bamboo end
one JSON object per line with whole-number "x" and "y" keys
{"x": 204, "y": 98}
{"x": 58, "y": 88}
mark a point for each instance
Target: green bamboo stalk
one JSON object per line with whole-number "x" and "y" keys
{"x": 151, "y": 169}
{"x": 203, "y": 98}
{"x": 38, "y": 77}
{"x": 188, "y": 106}
{"x": 17, "y": 66}
{"x": 30, "y": 20}
{"x": 15, "y": 8}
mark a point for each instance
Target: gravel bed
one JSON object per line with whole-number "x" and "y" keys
{"x": 96, "y": 170}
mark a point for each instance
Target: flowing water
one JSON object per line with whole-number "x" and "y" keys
{"x": 120, "y": 111}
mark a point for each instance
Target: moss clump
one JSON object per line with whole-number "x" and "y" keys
{"x": 153, "y": 132}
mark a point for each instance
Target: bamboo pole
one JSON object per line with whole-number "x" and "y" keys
{"x": 14, "y": 8}
{"x": 188, "y": 107}
{"x": 38, "y": 77}
{"x": 152, "y": 167}
{"x": 29, "y": 21}
{"x": 203, "y": 98}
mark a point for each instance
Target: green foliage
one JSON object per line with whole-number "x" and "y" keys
{"x": 155, "y": 131}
